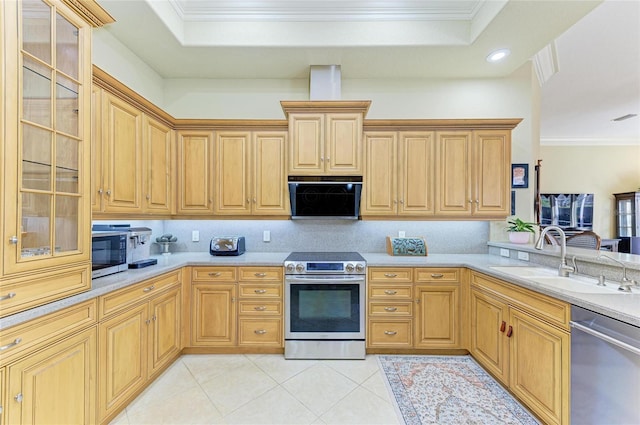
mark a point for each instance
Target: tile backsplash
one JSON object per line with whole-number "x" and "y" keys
{"x": 442, "y": 237}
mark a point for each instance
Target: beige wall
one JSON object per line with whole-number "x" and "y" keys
{"x": 601, "y": 170}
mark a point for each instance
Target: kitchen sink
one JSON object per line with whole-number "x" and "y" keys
{"x": 550, "y": 278}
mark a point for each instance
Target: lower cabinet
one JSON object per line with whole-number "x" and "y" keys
{"x": 48, "y": 368}
{"x": 414, "y": 308}
{"x": 523, "y": 339}
{"x": 237, "y": 306}
{"x": 139, "y": 338}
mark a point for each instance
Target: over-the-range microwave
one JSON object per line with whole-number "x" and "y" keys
{"x": 108, "y": 253}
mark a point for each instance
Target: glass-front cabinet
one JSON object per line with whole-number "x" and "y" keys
{"x": 46, "y": 216}
{"x": 628, "y": 221}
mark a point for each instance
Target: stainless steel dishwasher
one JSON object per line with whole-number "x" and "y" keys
{"x": 605, "y": 370}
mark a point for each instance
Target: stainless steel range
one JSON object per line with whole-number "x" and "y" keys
{"x": 324, "y": 305}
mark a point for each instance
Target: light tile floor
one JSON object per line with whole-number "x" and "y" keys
{"x": 264, "y": 389}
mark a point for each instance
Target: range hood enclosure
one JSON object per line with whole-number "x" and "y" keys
{"x": 325, "y": 82}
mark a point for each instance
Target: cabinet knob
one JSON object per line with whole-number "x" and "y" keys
{"x": 216, "y": 274}
{"x": 260, "y": 331}
{"x": 391, "y": 308}
{"x": 510, "y": 332}
{"x": 503, "y": 326}
{"x": 390, "y": 332}
{"x": 391, "y": 275}
{"x": 254, "y": 201}
{"x": 18, "y": 397}
{"x": 401, "y": 202}
{"x": 108, "y": 192}
{"x": 390, "y": 292}
{"x": 259, "y": 274}
{"x": 8, "y": 296}
{"x": 260, "y": 291}
{"x": 11, "y": 344}
{"x": 148, "y": 197}
{"x": 149, "y": 289}
{"x": 100, "y": 191}
{"x": 437, "y": 275}
{"x": 260, "y": 308}
{"x": 13, "y": 240}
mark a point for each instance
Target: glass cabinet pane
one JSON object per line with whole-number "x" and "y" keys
{"x": 66, "y": 105}
{"x": 36, "y": 92}
{"x": 36, "y": 29}
{"x": 66, "y": 231}
{"x": 66, "y": 165}
{"x": 67, "y": 47}
{"x": 36, "y": 225}
{"x": 36, "y": 158}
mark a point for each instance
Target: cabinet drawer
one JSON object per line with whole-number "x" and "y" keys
{"x": 387, "y": 333}
{"x": 259, "y": 308}
{"x": 214, "y": 274}
{"x": 391, "y": 309}
{"x": 260, "y": 332}
{"x": 36, "y": 333}
{"x": 27, "y": 292}
{"x": 118, "y": 300}
{"x": 254, "y": 274}
{"x": 388, "y": 274}
{"x": 386, "y": 291}
{"x": 261, "y": 290}
{"x": 437, "y": 275}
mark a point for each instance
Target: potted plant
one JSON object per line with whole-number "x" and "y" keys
{"x": 519, "y": 230}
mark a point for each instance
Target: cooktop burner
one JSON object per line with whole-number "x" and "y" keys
{"x": 324, "y": 256}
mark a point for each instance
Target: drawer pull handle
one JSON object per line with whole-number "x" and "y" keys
{"x": 503, "y": 326}
{"x": 260, "y": 308}
{"x": 390, "y": 292}
{"x": 260, "y": 274}
{"x": 8, "y": 296}
{"x": 12, "y": 344}
{"x": 260, "y": 291}
{"x": 390, "y": 332}
{"x": 260, "y": 331}
{"x": 510, "y": 332}
{"x": 391, "y": 308}
{"x": 215, "y": 274}
{"x": 437, "y": 275}
{"x": 149, "y": 289}
{"x": 391, "y": 275}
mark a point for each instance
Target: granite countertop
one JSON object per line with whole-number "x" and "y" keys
{"x": 625, "y": 307}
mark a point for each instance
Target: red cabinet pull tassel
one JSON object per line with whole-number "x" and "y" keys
{"x": 503, "y": 326}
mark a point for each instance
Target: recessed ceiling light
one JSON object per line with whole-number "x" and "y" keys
{"x": 498, "y": 55}
{"x": 625, "y": 117}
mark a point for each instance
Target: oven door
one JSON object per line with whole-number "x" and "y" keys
{"x": 324, "y": 307}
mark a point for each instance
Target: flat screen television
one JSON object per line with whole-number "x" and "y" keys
{"x": 570, "y": 211}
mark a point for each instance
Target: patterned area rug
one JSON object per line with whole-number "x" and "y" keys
{"x": 449, "y": 390}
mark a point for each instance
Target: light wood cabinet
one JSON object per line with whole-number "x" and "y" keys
{"x": 237, "y": 307}
{"x": 195, "y": 172}
{"x": 522, "y": 338}
{"x": 39, "y": 355}
{"x": 250, "y": 173}
{"x": 45, "y": 153}
{"x": 139, "y": 335}
{"x": 473, "y": 169}
{"x": 414, "y": 308}
{"x": 158, "y": 158}
{"x": 399, "y": 174}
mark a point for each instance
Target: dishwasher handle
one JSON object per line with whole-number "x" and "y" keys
{"x": 606, "y": 338}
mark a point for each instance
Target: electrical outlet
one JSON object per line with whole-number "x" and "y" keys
{"x": 195, "y": 236}
{"x": 504, "y": 252}
{"x": 401, "y": 233}
{"x": 523, "y": 256}
{"x": 266, "y": 236}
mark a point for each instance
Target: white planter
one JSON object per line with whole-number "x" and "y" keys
{"x": 519, "y": 237}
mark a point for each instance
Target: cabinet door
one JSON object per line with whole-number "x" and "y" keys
{"x": 343, "y": 149}
{"x": 232, "y": 171}
{"x": 270, "y": 192}
{"x": 55, "y": 385}
{"x": 416, "y": 174}
{"x": 453, "y": 170}
{"x": 213, "y": 320}
{"x": 492, "y": 171}
{"x": 97, "y": 154}
{"x": 438, "y": 316}
{"x": 489, "y": 345}
{"x": 158, "y": 154}
{"x": 195, "y": 172}
{"x": 46, "y": 132}
{"x": 539, "y": 375}
{"x": 122, "y": 358}
{"x": 306, "y": 152}
{"x": 165, "y": 329}
{"x": 122, "y": 134}
{"x": 3, "y": 394}
{"x": 380, "y": 196}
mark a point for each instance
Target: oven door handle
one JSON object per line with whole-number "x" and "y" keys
{"x": 326, "y": 281}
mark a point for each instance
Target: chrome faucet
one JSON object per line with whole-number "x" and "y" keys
{"x": 564, "y": 268}
{"x": 625, "y": 283}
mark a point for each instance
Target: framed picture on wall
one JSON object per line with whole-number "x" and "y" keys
{"x": 519, "y": 176}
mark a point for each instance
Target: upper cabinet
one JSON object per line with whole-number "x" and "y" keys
{"x": 325, "y": 137}
{"x": 46, "y": 102}
{"x": 195, "y": 170}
